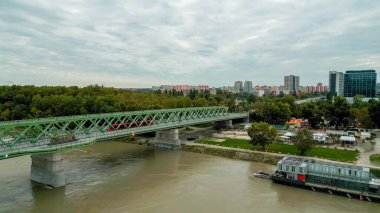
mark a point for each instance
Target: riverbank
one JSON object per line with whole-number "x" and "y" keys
{"x": 333, "y": 154}
{"x": 234, "y": 153}
{"x": 252, "y": 155}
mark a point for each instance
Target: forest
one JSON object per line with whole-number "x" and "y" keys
{"x": 24, "y": 102}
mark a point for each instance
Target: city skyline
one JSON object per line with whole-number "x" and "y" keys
{"x": 137, "y": 44}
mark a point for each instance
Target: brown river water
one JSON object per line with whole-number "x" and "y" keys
{"x": 121, "y": 177}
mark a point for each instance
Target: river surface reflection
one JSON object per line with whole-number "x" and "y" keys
{"x": 120, "y": 177}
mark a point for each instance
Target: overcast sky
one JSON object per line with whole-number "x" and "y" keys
{"x": 140, "y": 43}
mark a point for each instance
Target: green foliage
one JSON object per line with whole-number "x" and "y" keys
{"x": 23, "y": 102}
{"x": 338, "y": 113}
{"x": 304, "y": 141}
{"x": 374, "y": 112}
{"x": 261, "y": 134}
{"x": 234, "y": 143}
{"x": 375, "y": 158}
{"x": 312, "y": 112}
{"x": 362, "y": 117}
{"x": 272, "y": 112}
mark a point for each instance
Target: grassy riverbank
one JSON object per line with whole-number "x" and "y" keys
{"x": 375, "y": 158}
{"x": 325, "y": 153}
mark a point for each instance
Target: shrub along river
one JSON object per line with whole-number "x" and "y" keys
{"x": 120, "y": 177}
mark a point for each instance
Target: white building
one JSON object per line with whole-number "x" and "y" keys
{"x": 248, "y": 87}
{"x": 336, "y": 82}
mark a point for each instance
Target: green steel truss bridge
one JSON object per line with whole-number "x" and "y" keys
{"x": 44, "y": 135}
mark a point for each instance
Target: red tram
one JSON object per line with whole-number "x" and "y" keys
{"x": 120, "y": 126}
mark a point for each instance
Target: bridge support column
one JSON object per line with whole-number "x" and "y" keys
{"x": 48, "y": 169}
{"x": 168, "y": 139}
{"x": 223, "y": 124}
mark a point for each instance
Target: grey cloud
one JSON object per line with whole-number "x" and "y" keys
{"x": 142, "y": 43}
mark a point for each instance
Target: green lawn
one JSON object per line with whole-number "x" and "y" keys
{"x": 375, "y": 158}
{"x": 326, "y": 153}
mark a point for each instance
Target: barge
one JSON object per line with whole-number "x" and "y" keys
{"x": 354, "y": 182}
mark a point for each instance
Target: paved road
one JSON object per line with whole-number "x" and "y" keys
{"x": 365, "y": 153}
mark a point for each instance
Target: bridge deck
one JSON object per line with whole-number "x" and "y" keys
{"x": 35, "y": 136}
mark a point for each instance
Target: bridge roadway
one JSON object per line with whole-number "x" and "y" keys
{"x": 307, "y": 100}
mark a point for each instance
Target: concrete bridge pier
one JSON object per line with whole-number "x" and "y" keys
{"x": 227, "y": 124}
{"x": 48, "y": 169}
{"x": 168, "y": 139}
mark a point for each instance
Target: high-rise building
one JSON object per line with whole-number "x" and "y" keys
{"x": 238, "y": 86}
{"x": 336, "y": 83}
{"x": 248, "y": 87}
{"x": 378, "y": 89}
{"x": 292, "y": 83}
{"x": 360, "y": 82}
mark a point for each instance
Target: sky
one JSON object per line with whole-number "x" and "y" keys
{"x": 140, "y": 43}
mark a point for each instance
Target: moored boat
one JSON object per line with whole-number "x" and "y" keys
{"x": 261, "y": 174}
{"x": 351, "y": 181}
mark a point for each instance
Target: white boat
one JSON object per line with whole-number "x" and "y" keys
{"x": 261, "y": 174}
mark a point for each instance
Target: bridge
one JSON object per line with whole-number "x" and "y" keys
{"x": 307, "y": 100}
{"x": 45, "y": 138}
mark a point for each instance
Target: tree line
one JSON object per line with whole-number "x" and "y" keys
{"x": 333, "y": 112}
{"x": 24, "y": 102}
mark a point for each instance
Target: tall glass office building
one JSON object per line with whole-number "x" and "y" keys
{"x": 360, "y": 82}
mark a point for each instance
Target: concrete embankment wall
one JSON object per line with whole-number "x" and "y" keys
{"x": 249, "y": 155}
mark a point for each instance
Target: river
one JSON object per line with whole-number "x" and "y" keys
{"x": 121, "y": 177}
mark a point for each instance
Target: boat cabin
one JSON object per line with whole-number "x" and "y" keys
{"x": 299, "y": 170}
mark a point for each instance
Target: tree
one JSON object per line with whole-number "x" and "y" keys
{"x": 271, "y": 112}
{"x": 312, "y": 113}
{"x": 374, "y": 112}
{"x": 252, "y": 98}
{"x": 362, "y": 117}
{"x": 304, "y": 141}
{"x": 261, "y": 133}
{"x": 200, "y": 102}
{"x": 338, "y": 113}
{"x": 290, "y": 100}
{"x": 6, "y": 115}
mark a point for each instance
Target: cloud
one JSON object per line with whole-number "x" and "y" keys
{"x": 139, "y": 43}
